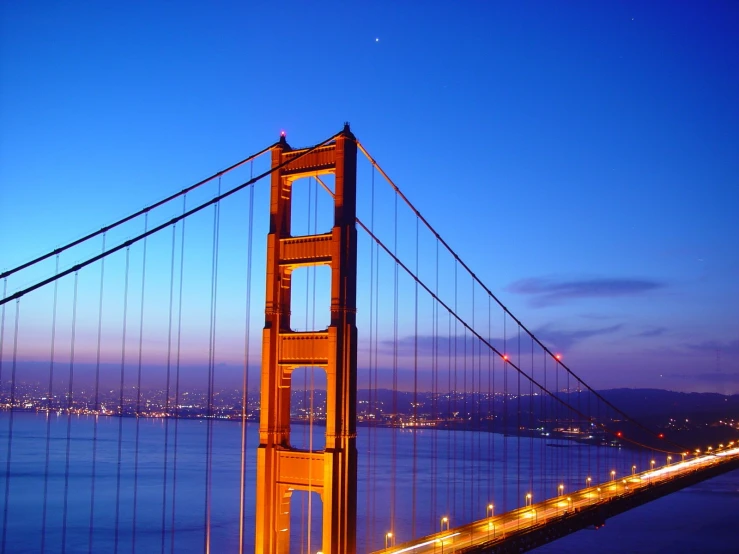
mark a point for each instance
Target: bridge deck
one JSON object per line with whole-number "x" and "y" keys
{"x": 531, "y": 526}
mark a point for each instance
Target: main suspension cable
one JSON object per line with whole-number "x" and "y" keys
{"x": 506, "y": 358}
{"x": 166, "y": 224}
{"x": 142, "y": 211}
{"x": 506, "y": 310}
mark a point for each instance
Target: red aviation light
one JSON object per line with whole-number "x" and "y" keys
{"x": 505, "y": 357}
{"x": 619, "y": 434}
{"x": 558, "y": 356}
{"x": 661, "y": 435}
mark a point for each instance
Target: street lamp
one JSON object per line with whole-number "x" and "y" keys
{"x": 652, "y": 462}
{"x": 445, "y": 521}
{"x": 669, "y": 459}
{"x": 489, "y": 510}
{"x": 587, "y": 481}
{"x": 528, "y": 499}
{"x": 613, "y": 475}
{"x": 599, "y": 496}
{"x": 388, "y": 539}
{"x": 561, "y": 489}
{"x": 633, "y": 470}
{"x": 569, "y": 503}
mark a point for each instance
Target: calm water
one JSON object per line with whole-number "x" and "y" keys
{"x": 451, "y": 473}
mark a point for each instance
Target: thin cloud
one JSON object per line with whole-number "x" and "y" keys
{"x": 547, "y": 292}
{"x": 730, "y": 347}
{"x": 443, "y": 345}
{"x": 656, "y": 332}
{"x": 564, "y": 340}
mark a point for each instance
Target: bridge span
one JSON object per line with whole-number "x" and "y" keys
{"x": 538, "y": 523}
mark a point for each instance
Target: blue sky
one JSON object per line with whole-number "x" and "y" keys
{"x": 580, "y": 156}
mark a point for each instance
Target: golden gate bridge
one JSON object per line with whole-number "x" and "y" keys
{"x": 401, "y": 407}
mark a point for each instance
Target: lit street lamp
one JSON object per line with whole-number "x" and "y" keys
{"x": 489, "y": 510}
{"x": 388, "y": 540}
{"x": 569, "y": 503}
{"x": 587, "y": 481}
{"x": 561, "y": 489}
{"x": 528, "y": 499}
{"x": 445, "y": 521}
{"x": 633, "y": 470}
{"x": 669, "y": 459}
{"x": 613, "y": 475}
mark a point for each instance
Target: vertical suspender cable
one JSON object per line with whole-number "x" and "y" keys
{"x": 245, "y": 384}
{"x": 91, "y": 524}
{"x": 518, "y": 417}
{"x": 121, "y": 407}
{"x": 490, "y": 427}
{"x": 2, "y": 329}
{"x": 455, "y": 397}
{"x": 531, "y": 422}
{"x": 10, "y": 422}
{"x": 546, "y": 426}
{"x": 449, "y": 417}
{"x": 211, "y": 368}
{"x": 505, "y": 416}
{"x": 465, "y": 426}
{"x": 394, "y": 449}
{"x": 374, "y": 326}
{"x": 70, "y": 409}
{"x": 177, "y": 379}
{"x": 467, "y": 434}
{"x": 558, "y": 454}
{"x": 369, "y": 504}
{"x": 138, "y": 393}
{"x": 370, "y": 405}
{"x": 415, "y": 394}
{"x": 49, "y": 398}
{"x": 569, "y": 429}
{"x": 167, "y": 388}
{"x": 479, "y": 420}
{"x": 435, "y": 395}
{"x": 474, "y": 482}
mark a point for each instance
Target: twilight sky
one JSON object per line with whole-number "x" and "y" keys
{"x": 580, "y": 156}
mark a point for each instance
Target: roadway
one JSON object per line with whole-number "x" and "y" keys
{"x": 496, "y": 529}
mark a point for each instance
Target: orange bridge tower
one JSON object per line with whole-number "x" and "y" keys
{"x": 282, "y": 469}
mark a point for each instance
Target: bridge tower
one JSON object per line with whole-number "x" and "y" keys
{"x": 281, "y": 469}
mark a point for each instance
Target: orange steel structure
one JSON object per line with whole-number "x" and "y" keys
{"x": 281, "y": 469}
